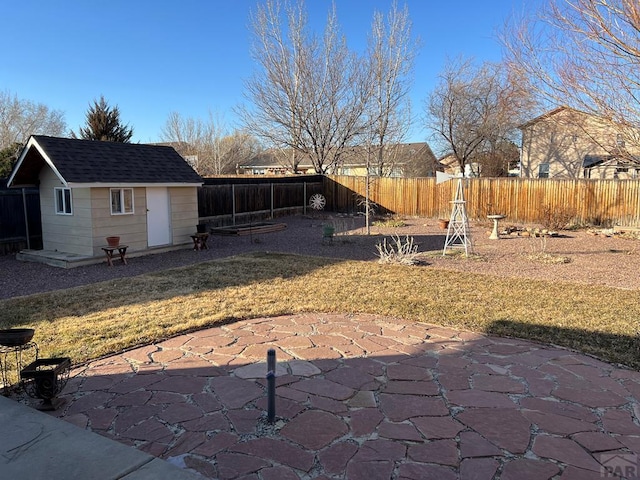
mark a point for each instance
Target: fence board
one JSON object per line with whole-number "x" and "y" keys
{"x": 221, "y": 200}
{"x": 599, "y": 202}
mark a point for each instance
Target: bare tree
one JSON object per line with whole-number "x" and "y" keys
{"x": 498, "y": 159}
{"x": 473, "y": 111}
{"x": 211, "y": 147}
{"x": 237, "y": 148}
{"x": 310, "y": 93}
{"x": 20, "y": 119}
{"x": 390, "y": 57}
{"x": 584, "y": 54}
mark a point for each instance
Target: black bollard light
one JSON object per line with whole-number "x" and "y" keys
{"x": 271, "y": 385}
{"x": 271, "y": 360}
{"x": 271, "y": 397}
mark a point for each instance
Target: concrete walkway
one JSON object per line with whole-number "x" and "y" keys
{"x": 34, "y": 445}
{"x": 363, "y": 397}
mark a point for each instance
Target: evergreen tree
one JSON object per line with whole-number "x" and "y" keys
{"x": 8, "y": 157}
{"x": 103, "y": 123}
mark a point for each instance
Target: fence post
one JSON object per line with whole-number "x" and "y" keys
{"x": 233, "y": 204}
{"x": 271, "y": 385}
{"x": 26, "y": 218}
{"x": 271, "y": 201}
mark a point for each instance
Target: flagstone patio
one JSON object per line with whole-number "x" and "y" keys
{"x": 363, "y": 397}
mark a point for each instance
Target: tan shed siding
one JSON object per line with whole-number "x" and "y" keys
{"x": 65, "y": 233}
{"x": 85, "y": 231}
{"x": 132, "y": 229}
{"x": 184, "y": 213}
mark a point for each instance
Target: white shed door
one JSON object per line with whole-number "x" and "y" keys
{"x": 158, "y": 217}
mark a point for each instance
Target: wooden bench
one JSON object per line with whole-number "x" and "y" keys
{"x": 200, "y": 241}
{"x": 122, "y": 251}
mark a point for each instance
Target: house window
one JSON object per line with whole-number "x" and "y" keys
{"x": 63, "y": 201}
{"x": 543, "y": 170}
{"x": 121, "y": 201}
{"x": 396, "y": 172}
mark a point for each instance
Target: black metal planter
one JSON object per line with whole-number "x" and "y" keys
{"x": 44, "y": 379}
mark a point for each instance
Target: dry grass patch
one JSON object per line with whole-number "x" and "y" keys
{"x": 549, "y": 258}
{"x": 95, "y": 320}
{"x": 390, "y": 222}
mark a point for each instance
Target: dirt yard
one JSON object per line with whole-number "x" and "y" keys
{"x": 594, "y": 256}
{"x": 576, "y": 256}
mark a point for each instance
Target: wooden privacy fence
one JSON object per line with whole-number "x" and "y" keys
{"x": 20, "y": 225}
{"x": 228, "y": 201}
{"x": 597, "y": 202}
{"x": 221, "y": 201}
{"x": 232, "y": 200}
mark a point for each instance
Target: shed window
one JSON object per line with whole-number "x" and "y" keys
{"x": 121, "y": 201}
{"x": 543, "y": 170}
{"x": 63, "y": 201}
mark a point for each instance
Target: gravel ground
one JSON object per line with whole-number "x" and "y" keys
{"x": 592, "y": 259}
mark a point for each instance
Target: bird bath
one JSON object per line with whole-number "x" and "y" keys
{"x": 494, "y": 233}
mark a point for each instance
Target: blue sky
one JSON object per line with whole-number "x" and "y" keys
{"x": 152, "y": 57}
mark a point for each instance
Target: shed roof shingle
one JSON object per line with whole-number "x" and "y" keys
{"x": 89, "y": 161}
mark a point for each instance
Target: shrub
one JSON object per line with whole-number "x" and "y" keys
{"x": 391, "y": 222}
{"x": 556, "y": 218}
{"x": 539, "y": 252}
{"x": 397, "y": 251}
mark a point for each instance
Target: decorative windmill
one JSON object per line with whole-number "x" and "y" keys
{"x": 458, "y": 233}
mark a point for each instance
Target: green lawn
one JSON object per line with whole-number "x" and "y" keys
{"x": 91, "y": 321}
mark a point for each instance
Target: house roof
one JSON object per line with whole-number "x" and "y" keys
{"x": 92, "y": 163}
{"x": 272, "y": 159}
{"x": 448, "y": 160}
{"x": 351, "y": 157}
{"x": 544, "y": 116}
{"x": 593, "y": 160}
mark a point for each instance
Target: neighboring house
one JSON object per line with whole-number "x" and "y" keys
{"x": 274, "y": 162}
{"x": 402, "y": 160}
{"x": 566, "y": 143}
{"x": 145, "y": 194}
{"x": 451, "y": 166}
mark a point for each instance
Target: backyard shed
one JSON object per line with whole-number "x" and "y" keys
{"x": 89, "y": 190}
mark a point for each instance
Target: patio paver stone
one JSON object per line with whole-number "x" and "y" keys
{"x": 361, "y": 397}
